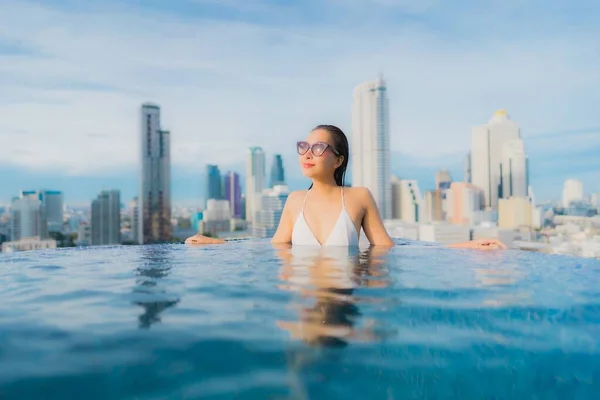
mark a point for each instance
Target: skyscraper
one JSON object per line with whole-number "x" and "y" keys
{"x": 514, "y": 169}
{"x": 277, "y": 171}
{"x": 233, "y": 193}
{"x": 467, "y": 168}
{"x": 487, "y": 142}
{"x": 572, "y": 191}
{"x": 53, "y": 205}
{"x": 213, "y": 182}
{"x": 269, "y": 213}
{"x": 371, "y": 143}
{"x": 255, "y": 181}
{"x": 155, "y": 180}
{"x": 106, "y": 218}
{"x": 28, "y": 216}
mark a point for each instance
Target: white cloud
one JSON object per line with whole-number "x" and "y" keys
{"x": 71, "y": 100}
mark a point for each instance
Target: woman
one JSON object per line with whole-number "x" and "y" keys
{"x": 328, "y": 214}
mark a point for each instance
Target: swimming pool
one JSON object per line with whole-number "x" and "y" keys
{"x": 257, "y": 322}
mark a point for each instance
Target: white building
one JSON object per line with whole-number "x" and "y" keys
{"x": 514, "y": 167}
{"x": 255, "y": 181}
{"x": 411, "y": 201}
{"x": 572, "y": 191}
{"x": 400, "y": 229}
{"x": 444, "y": 233}
{"x": 26, "y": 244}
{"x": 154, "y": 200}
{"x": 28, "y": 216}
{"x": 217, "y": 217}
{"x": 370, "y": 146}
{"x": 487, "y": 143}
{"x": 269, "y": 214}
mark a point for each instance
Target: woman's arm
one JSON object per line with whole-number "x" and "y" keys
{"x": 372, "y": 223}
{"x": 282, "y": 235}
{"x": 286, "y": 223}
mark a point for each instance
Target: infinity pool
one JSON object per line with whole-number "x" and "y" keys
{"x": 250, "y": 321}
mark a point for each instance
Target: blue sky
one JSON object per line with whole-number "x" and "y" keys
{"x": 231, "y": 74}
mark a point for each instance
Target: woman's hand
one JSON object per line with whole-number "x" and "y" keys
{"x": 482, "y": 244}
{"x": 201, "y": 239}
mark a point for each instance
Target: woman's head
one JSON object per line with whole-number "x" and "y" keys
{"x": 324, "y": 154}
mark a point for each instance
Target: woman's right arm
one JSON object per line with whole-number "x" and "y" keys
{"x": 286, "y": 223}
{"x": 282, "y": 235}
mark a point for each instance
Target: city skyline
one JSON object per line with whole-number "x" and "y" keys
{"x": 446, "y": 73}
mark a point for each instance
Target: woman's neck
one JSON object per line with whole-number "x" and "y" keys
{"x": 324, "y": 187}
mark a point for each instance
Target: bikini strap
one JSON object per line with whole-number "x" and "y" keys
{"x": 305, "y": 197}
{"x": 343, "y": 201}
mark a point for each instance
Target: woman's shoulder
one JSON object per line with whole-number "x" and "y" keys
{"x": 358, "y": 192}
{"x": 296, "y": 196}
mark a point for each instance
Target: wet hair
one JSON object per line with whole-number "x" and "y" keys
{"x": 340, "y": 144}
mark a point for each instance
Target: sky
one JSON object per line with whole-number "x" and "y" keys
{"x": 230, "y": 74}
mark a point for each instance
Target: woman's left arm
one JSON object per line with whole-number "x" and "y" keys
{"x": 372, "y": 223}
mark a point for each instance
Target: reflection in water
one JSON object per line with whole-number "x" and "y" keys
{"x": 327, "y": 279}
{"x": 503, "y": 272}
{"x": 155, "y": 265}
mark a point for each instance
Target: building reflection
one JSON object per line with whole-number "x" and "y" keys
{"x": 150, "y": 292}
{"x": 326, "y": 280}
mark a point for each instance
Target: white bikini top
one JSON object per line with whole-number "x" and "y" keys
{"x": 343, "y": 232}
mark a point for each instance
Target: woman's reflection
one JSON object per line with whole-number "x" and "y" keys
{"x": 328, "y": 277}
{"x": 155, "y": 266}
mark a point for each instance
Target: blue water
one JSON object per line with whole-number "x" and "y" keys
{"x": 249, "y": 321}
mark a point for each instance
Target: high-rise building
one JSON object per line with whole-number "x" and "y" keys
{"x": 53, "y": 205}
{"x": 371, "y": 143}
{"x": 28, "y": 216}
{"x": 269, "y": 214}
{"x": 106, "y": 218}
{"x": 487, "y": 143}
{"x": 155, "y": 180}
{"x": 233, "y": 193}
{"x": 216, "y": 218}
{"x": 396, "y": 189}
{"x": 514, "y": 177}
{"x": 467, "y": 168}
{"x": 255, "y": 181}
{"x": 433, "y": 209}
{"x": 572, "y": 191}
{"x": 134, "y": 217}
{"x": 277, "y": 171}
{"x": 213, "y": 182}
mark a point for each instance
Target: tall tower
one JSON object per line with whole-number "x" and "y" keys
{"x": 371, "y": 143}
{"x": 487, "y": 142}
{"x": 213, "y": 182}
{"x": 155, "y": 179}
{"x": 255, "y": 181}
{"x": 106, "y": 218}
{"x": 233, "y": 193}
{"x": 514, "y": 169}
{"x": 277, "y": 171}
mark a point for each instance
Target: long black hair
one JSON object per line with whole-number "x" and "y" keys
{"x": 340, "y": 144}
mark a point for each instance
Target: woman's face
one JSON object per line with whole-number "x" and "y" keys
{"x": 318, "y": 166}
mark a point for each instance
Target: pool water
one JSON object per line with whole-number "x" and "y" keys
{"x": 247, "y": 320}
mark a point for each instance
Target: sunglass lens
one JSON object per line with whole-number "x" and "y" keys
{"x": 318, "y": 149}
{"x": 302, "y": 147}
